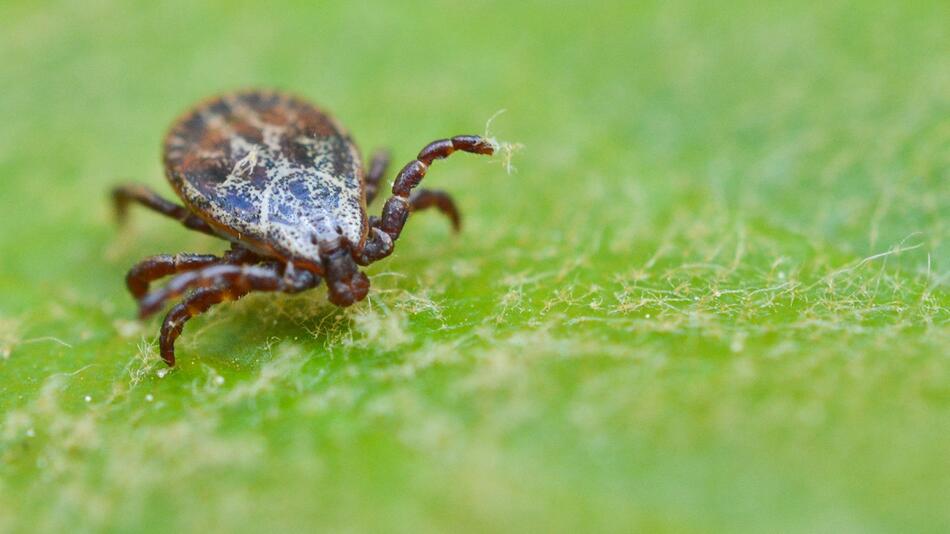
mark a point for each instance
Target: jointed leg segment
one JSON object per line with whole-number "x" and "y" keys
{"x": 215, "y": 284}
{"x": 155, "y": 267}
{"x": 124, "y": 194}
{"x": 387, "y": 228}
{"x": 442, "y": 201}
{"x": 238, "y": 278}
{"x": 377, "y": 169}
{"x": 195, "y": 304}
{"x": 142, "y": 274}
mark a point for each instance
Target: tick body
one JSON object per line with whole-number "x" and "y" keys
{"x": 284, "y": 183}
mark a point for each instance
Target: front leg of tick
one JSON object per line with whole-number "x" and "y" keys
{"x": 387, "y": 228}
{"x": 215, "y": 284}
{"x": 142, "y": 274}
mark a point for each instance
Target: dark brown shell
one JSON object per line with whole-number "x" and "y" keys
{"x": 269, "y": 170}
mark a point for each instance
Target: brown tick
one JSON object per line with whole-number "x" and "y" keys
{"x": 284, "y": 183}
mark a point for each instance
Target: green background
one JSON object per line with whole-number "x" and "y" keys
{"x": 714, "y": 295}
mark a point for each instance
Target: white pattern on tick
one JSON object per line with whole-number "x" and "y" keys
{"x": 269, "y": 169}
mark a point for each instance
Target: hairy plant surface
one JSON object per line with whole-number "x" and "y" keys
{"x": 712, "y": 296}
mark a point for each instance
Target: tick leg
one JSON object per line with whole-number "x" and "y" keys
{"x": 239, "y": 279}
{"x": 155, "y": 267}
{"x": 396, "y": 210}
{"x": 379, "y": 244}
{"x": 442, "y": 201}
{"x": 228, "y": 282}
{"x": 124, "y": 194}
{"x": 377, "y": 168}
{"x": 152, "y": 268}
{"x": 196, "y": 303}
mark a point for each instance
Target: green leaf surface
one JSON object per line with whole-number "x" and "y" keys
{"x": 712, "y": 297}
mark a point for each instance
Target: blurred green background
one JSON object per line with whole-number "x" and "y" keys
{"x": 713, "y": 297}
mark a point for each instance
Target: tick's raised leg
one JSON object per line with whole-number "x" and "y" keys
{"x": 377, "y": 169}
{"x": 124, "y": 194}
{"x": 388, "y": 227}
{"x": 155, "y": 267}
{"x": 217, "y": 284}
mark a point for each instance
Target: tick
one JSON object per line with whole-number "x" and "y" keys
{"x": 283, "y": 182}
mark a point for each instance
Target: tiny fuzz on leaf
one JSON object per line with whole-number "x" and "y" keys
{"x": 504, "y": 148}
